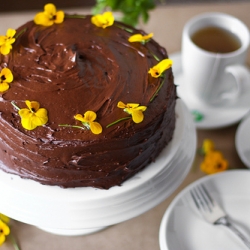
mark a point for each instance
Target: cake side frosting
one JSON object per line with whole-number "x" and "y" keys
{"x": 73, "y": 67}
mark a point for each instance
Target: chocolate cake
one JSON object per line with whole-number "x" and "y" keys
{"x": 63, "y": 119}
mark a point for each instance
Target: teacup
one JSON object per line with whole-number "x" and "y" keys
{"x": 215, "y": 75}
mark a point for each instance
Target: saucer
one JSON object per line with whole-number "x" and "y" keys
{"x": 207, "y": 116}
{"x": 184, "y": 228}
{"x": 242, "y": 141}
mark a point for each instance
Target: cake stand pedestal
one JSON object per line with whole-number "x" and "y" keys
{"x": 78, "y": 211}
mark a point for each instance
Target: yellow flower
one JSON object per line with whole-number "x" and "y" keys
{"x": 6, "y": 77}
{"x": 140, "y": 38}
{"x": 207, "y": 146}
{"x": 49, "y": 16}
{"x": 6, "y": 41}
{"x": 134, "y": 109}
{"x": 103, "y": 20}
{"x": 88, "y": 120}
{"x": 214, "y": 162}
{"x": 33, "y": 116}
{"x": 4, "y": 218}
{"x": 4, "y": 231}
{"x": 159, "y": 68}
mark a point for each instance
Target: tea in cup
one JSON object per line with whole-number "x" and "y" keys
{"x": 214, "y": 51}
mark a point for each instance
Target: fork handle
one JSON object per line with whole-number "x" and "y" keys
{"x": 225, "y": 222}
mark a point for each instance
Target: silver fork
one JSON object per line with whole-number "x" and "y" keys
{"x": 212, "y": 212}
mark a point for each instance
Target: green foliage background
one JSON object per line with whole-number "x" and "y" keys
{"x": 132, "y": 10}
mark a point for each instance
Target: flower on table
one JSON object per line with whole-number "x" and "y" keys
{"x": 214, "y": 162}
{"x": 140, "y": 38}
{"x": 134, "y": 109}
{"x": 103, "y": 20}
{"x": 6, "y": 77}
{"x": 157, "y": 70}
{"x": 49, "y": 16}
{"x": 6, "y": 41}
{"x": 4, "y": 231}
{"x": 33, "y": 116}
{"x": 88, "y": 121}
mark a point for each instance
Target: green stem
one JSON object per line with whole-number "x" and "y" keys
{"x": 119, "y": 120}
{"x": 158, "y": 89}
{"x": 124, "y": 28}
{"x": 14, "y": 242}
{"x": 70, "y": 126}
{"x": 15, "y": 105}
{"x": 155, "y": 56}
{"x": 20, "y": 33}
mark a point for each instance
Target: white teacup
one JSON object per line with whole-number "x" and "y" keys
{"x": 212, "y": 77}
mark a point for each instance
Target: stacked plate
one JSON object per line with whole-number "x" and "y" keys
{"x": 76, "y": 211}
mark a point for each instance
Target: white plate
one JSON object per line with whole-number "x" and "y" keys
{"x": 183, "y": 228}
{"x": 213, "y": 116}
{"x": 75, "y": 211}
{"x": 242, "y": 140}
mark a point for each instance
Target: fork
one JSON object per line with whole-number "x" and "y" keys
{"x": 212, "y": 212}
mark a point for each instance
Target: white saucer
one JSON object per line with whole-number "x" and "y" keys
{"x": 213, "y": 116}
{"x": 242, "y": 140}
{"x": 75, "y": 211}
{"x": 183, "y": 228}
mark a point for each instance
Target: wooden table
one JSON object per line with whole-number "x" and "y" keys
{"x": 141, "y": 232}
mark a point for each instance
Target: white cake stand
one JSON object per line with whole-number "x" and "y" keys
{"x": 78, "y": 211}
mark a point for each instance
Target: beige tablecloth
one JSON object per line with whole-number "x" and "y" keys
{"x": 141, "y": 232}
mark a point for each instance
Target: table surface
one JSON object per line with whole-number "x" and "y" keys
{"x": 141, "y": 232}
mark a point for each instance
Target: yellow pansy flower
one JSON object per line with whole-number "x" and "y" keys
{"x": 6, "y": 41}
{"x": 159, "y": 68}
{"x": 49, "y": 16}
{"x": 103, "y": 20}
{"x": 88, "y": 120}
{"x": 140, "y": 38}
{"x": 214, "y": 162}
{"x": 4, "y": 231}
{"x": 33, "y": 116}
{"x": 134, "y": 109}
{"x": 6, "y": 77}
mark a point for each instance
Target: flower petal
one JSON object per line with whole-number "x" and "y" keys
{"x": 5, "y": 49}
{"x": 121, "y": 105}
{"x": 6, "y": 72}
{"x": 159, "y": 68}
{"x": 32, "y": 105}
{"x": 25, "y": 113}
{"x": 90, "y": 116}
{"x": 137, "y": 116}
{"x": 95, "y": 128}
{"x": 40, "y": 118}
{"x": 4, "y": 86}
{"x": 10, "y": 33}
{"x": 28, "y": 123}
{"x": 4, "y": 228}
{"x": 59, "y": 17}
{"x": 42, "y": 18}
{"x": 140, "y": 37}
{"x": 104, "y": 20}
{"x": 50, "y": 9}
{"x": 80, "y": 118}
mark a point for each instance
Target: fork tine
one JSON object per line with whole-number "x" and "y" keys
{"x": 202, "y": 199}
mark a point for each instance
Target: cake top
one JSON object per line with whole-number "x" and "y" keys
{"x": 76, "y": 77}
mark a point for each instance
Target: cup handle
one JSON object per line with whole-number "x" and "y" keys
{"x": 241, "y": 75}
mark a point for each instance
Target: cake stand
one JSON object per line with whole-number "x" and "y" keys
{"x": 78, "y": 211}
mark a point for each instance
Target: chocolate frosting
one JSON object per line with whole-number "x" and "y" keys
{"x": 70, "y": 68}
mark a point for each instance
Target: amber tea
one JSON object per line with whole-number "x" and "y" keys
{"x": 216, "y": 40}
